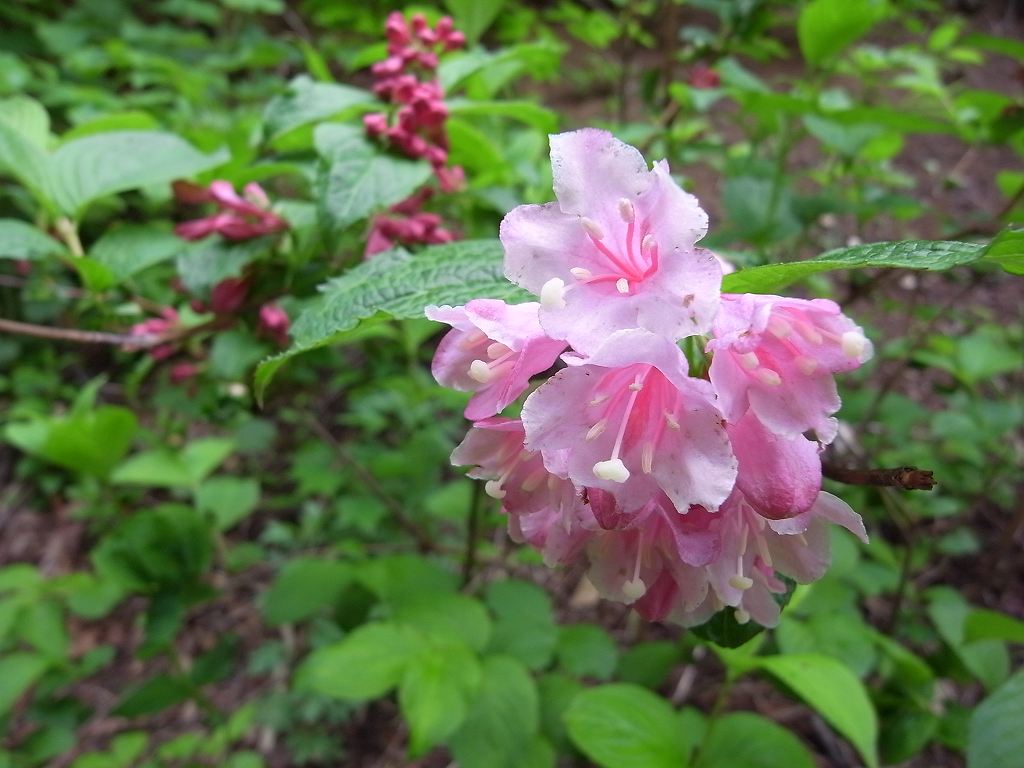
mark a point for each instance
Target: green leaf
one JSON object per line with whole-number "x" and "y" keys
{"x": 358, "y": 179}
{"x": 129, "y": 249}
{"x": 648, "y": 664}
{"x": 995, "y": 737}
{"x": 826, "y": 27}
{"x": 524, "y": 626}
{"x": 307, "y": 101}
{"x": 364, "y": 665}
{"x": 18, "y": 671}
{"x": 503, "y": 718}
{"x": 744, "y": 740}
{"x": 987, "y": 660}
{"x": 585, "y": 650}
{"x": 473, "y": 17}
{"x": 24, "y": 159}
{"x": 153, "y": 696}
{"x": 396, "y": 284}
{"x": 42, "y": 626}
{"x": 105, "y": 164}
{"x": 831, "y": 689}
{"x": 28, "y": 117}
{"x": 625, "y": 726}
{"x": 20, "y": 240}
{"x": 906, "y": 254}
{"x": 186, "y": 468}
{"x": 452, "y": 617}
{"x": 302, "y": 588}
{"x": 983, "y": 624}
{"x": 528, "y": 112}
{"x": 434, "y": 694}
{"x": 1007, "y": 250}
{"x": 228, "y": 499}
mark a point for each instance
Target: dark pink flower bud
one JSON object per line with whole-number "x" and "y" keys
{"x": 274, "y": 322}
{"x": 228, "y": 295}
{"x": 376, "y": 123}
{"x": 703, "y": 76}
{"x": 184, "y": 371}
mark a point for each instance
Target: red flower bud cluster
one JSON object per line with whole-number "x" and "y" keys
{"x": 407, "y": 79}
{"x": 407, "y": 224}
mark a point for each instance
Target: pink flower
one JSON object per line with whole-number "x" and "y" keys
{"x": 274, "y": 322}
{"x": 703, "y": 76}
{"x": 165, "y": 325}
{"x": 228, "y": 295}
{"x": 493, "y": 351}
{"x": 635, "y": 425}
{"x": 616, "y": 251}
{"x": 545, "y": 510}
{"x": 240, "y": 218}
{"x": 777, "y": 357}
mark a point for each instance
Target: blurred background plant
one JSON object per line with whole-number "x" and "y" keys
{"x": 190, "y": 579}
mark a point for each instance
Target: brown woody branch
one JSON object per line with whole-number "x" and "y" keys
{"x": 141, "y": 341}
{"x": 907, "y": 478}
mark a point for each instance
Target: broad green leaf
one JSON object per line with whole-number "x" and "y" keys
{"x": 648, "y": 664}
{"x": 995, "y": 736}
{"x": 744, "y": 740}
{"x": 434, "y": 693}
{"x": 906, "y": 254}
{"x": 524, "y": 626}
{"x": 396, "y": 284}
{"x": 154, "y": 695}
{"x": 988, "y": 660}
{"x": 528, "y": 112}
{"x": 557, "y": 692}
{"x": 406, "y": 580}
{"x": 831, "y": 689}
{"x": 364, "y": 665}
{"x": 105, "y": 164}
{"x": 826, "y": 27}
{"x": 186, "y": 468}
{"x": 228, "y": 499}
{"x": 18, "y": 671}
{"x": 586, "y": 650}
{"x": 1007, "y": 250}
{"x": 358, "y": 179}
{"x": 302, "y": 588}
{"x": 28, "y": 117}
{"x": 626, "y": 726}
{"x": 456, "y": 618}
{"x": 473, "y": 17}
{"x": 23, "y": 159}
{"x": 306, "y": 101}
{"x": 20, "y": 240}
{"x": 128, "y": 250}
{"x": 42, "y": 627}
{"x": 982, "y": 624}
{"x": 503, "y": 718}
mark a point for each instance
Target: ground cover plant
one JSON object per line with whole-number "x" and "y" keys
{"x": 491, "y": 383}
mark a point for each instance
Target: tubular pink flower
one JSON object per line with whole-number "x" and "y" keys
{"x": 274, "y": 322}
{"x": 544, "y": 509}
{"x": 493, "y": 351}
{"x": 777, "y": 356}
{"x": 635, "y": 425}
{"x": 240, "y": 218}
{"x": 616, "y": 251}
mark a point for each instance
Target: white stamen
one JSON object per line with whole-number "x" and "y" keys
{"x": 581, "y": 273}
{"x": 622, "y": 285}
{"x": 552, "y": 294}
{"x": 807, "y": 365}
{"x": 493, "y": 489}
{"x": 636, "y": 386}
{"x": 613, "y": 470}
{"x": 647, "y": 458}
{"x": 810, "y": 333}
{"x": 647, "y": 245}
{"x": 480, "y": 371}
{"x": 634, "y": 589}
{"x": 626, "y": 210}
{"x": 472, "y": 339}
{"x": 599, "y": 399}
{"x": 853, "y": 344}
{"x": 533, "y": 482}
{"x": 779, "y": 328}
{"x": 749, "y": 360}
{"x": 741, "y": 582}
{"x": 592, "y": 228}
{"x": 671, "y": 420}
{"x": 496, "y": 350}
{"x": 762, "y": 550}
{"x": 768, "y": 377}
{"x": 742, "y": 617}
{"x": 597, "y": 429}
{"x": 802, "y": 539}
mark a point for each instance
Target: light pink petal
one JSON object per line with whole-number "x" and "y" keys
{"x": 676, "y": 215}
{"x": 541, "y": 243}
{"x": 835, "y": 510}
{"x": 789, "y": 410}
{"x": 592, "y": 170}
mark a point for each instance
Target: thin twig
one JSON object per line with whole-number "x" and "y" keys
{"x": 141, "y": 341}
{"x": 907, "y": 478}
{"x": 472, "y": 527}
{"x": 423, "y": 539}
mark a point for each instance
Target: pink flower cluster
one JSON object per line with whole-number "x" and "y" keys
{"x": 239, "y": 217}
{"x": 407, "y": 78}
{"x": 407, "y": 223}
{"x": 685, "y": 491}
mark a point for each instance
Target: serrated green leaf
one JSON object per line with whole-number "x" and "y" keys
{"x": 396, "y": 284}
{"x": 306, "y": 101}
{"x": 20, "y": 240}
{"x": 528, "y": 112}
{"x": 626, "y": 726}
{"x": 182, "y": 469}
{"x": 586, "y": 650}
{"x": 302, "y": 588}
{"x": 905, "y": 254}
{"x": 434, "y": 694}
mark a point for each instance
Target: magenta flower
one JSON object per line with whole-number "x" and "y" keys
{"x": 274, "y": 322}
{"x": 634, "y": 424}
{"x": 493, "y": 351}
{"x": 166, "y": 325}
{"x": 616, "y": 251}
{"x": 544, "y": 509}
{"x": 240, "y": 218}
{"x": 778, "y": 355}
